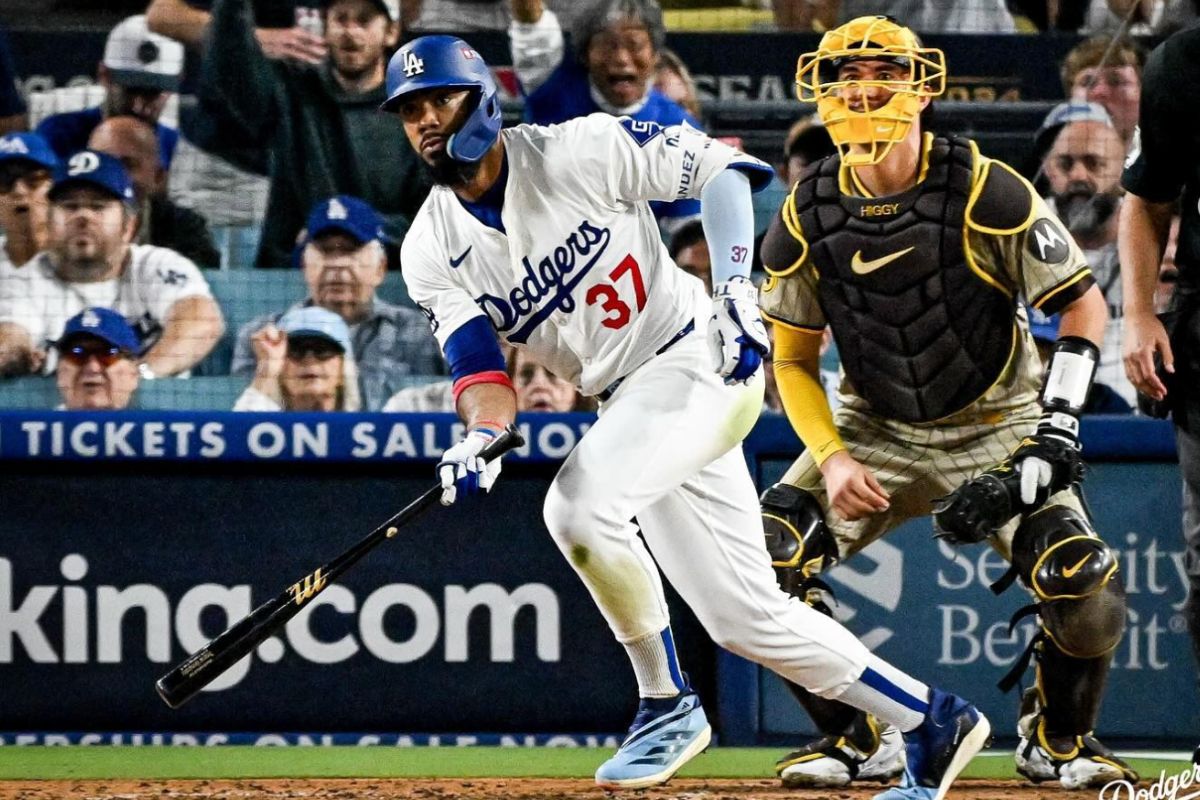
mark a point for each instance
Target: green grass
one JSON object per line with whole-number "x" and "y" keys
{"x": 379, "y": 762}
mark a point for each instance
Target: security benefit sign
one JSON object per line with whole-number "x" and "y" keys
{"x": 927, "y": 607}
{"x": 469, "y": 619}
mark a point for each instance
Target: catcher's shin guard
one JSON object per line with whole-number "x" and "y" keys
{"x": 1081, "y": 604}
{"x": 801, "y": 547}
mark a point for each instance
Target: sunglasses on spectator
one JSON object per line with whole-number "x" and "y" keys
{"x": 106, "y": 354}
{"x": 10, "y": 173}
{"x": 321, "y": 349}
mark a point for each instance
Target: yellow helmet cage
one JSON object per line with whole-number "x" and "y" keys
{"x": 866, "y": 137}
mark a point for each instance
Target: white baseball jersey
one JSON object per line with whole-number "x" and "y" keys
{"x": 581, "y": 276}
{"x": 8, "y": 269}
{"x": 153, "y": 280}
{"x": 581, "y": 279}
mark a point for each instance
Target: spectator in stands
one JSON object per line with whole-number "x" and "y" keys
{"x": 138, "y": 72}
{"x": 230, "y": 191}
{"x": 1168, "y": 271}
{"x": 689, "y": 251}
{"x": 304, "y": 364}
{"x": 1138, "y": 17}
{"x": 806, "y": 141}
{"x": 1060, "y": 115}
{"x": 923, "y": 16}
{"x": 285, "y": 36}
{"x": 1102, "y": 71}
{"x": 91, "y": 263}
{"x": 160, "y": 222}
{"x": 674, "y": 79}
{"x": 320, "y": 123}
{"x": 97, "y": 361}
{"x": 12, "y": 106}
{"x": 1083, "y": 171}
{"x": 539, "y": 389}
{"x": 26, "y": 168}
{"x": 344, "y": 263}
{"x": 616, "y": 46}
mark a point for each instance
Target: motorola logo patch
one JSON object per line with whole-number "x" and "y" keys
{"x": 1048, "y": 241}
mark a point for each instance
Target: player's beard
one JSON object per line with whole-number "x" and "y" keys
{"x": 446, "y": 171}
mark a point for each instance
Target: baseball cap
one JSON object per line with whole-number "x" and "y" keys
{"x": 389, "y": 7}
{"x": 27, "y": 147}
{"x": 90, "y": 168}
{"x": 103, "y": 323}
{"x": 346, "y": 214}
{"x": 317, "y": 322}
{"x": 1061, "y": 114}
{"x": 139, "y": 59}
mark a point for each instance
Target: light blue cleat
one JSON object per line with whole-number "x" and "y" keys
{"x": 936, "y": 752}
{"x": 665, "y": 735}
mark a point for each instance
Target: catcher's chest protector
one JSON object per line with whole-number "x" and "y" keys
{"x": 920, "y": 335}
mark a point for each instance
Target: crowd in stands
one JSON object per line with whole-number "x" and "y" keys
{"x": 121, "y": 198}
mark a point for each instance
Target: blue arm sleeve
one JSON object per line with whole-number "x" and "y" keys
{"x": 473, "y": 349}
{"x": 728, "y": 217}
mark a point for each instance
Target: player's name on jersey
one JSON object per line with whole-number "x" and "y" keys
{"x": 227, "y": 436}
{"x": 209, "y": 739}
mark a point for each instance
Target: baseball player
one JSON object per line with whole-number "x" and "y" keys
{"x": 543, "y": 237}
{"x": 914, "y": 250}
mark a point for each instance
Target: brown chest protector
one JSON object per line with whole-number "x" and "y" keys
{"x": 920, "y": 335}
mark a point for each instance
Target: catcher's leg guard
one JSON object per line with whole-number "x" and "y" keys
{"x": 798, "y": 540}
{"x": 855, "y": 745}
{"x": 1081, "y": 603}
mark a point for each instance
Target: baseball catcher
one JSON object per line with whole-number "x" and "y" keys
{"x": 915, "y": 250}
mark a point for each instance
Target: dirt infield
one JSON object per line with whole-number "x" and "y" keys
{"x": 475, "y": 789}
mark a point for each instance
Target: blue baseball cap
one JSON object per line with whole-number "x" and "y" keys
{"x": 345, "y": 214}
{"x": 103, "y": 323}
{"x": 1064, "y": 113}
{"x": 315, "y": 321}
{"x": 27, "y": 147}
{"x": 95, "y": 169}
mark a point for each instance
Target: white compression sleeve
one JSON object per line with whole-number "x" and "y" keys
{"x": 728, "y": 217}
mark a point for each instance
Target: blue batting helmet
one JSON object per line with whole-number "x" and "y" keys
{"x": 432, "y": 62}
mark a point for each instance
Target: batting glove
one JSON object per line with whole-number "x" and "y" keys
{"x": 737, "y": 338}
{"x": 461, "y": 470}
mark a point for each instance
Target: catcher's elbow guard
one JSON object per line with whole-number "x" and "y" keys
{"x": 1069, "y": 375}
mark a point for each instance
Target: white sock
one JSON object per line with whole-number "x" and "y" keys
{"x": 655, "y": 664}
{"x": 890, "y": 694}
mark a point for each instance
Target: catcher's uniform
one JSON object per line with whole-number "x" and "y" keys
{"x": 940, "y": 375}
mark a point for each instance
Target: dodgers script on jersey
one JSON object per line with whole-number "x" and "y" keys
{"x": 585, "y": 285}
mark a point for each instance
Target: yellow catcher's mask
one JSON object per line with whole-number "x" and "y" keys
{"x": 873, "y": 130}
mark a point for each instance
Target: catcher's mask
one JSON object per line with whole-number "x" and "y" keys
{"x": 874, "y": 130}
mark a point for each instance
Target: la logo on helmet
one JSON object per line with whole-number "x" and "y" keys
{"x": 413, "y": 65}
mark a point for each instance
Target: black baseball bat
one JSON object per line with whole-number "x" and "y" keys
{"x": 204, "y": 666}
